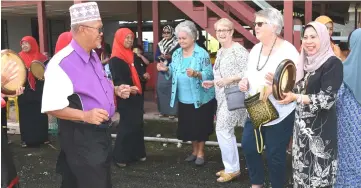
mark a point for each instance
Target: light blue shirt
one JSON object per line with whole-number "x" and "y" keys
{"x": 199, "y": 62}
{"x": 184, "y": 83}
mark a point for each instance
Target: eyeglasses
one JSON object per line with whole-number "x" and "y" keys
{"x": 100, "y": 30}
{"x": 166, "y": 32}
{"x": 223, "y": 30}
{"x": 259, "y": 24}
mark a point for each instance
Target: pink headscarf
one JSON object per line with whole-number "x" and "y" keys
{"x": 312, "y": 63}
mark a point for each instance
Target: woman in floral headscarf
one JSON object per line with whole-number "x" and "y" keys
{"x": 33, "y": 124}
{"x": 164, "y": 52}
{"x": 315, "y": 130}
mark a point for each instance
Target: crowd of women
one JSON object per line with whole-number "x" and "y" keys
{"x": 322, "y": 113}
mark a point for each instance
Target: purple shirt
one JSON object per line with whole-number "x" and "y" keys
{"x": 72, "y": 72}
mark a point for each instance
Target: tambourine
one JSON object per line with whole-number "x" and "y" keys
{"x": 37, "y": 68}
{"x": 284, "y": 79}
{"x": 11, "y": 87}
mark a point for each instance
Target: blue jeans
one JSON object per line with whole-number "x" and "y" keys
{"x": 276, "y": 138}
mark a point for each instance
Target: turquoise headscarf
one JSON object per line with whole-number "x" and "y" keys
{"x": 352, "y": 65}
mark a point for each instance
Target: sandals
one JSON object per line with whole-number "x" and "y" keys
{"x": 226, "y": 177}
{"x": 220, "y": 173}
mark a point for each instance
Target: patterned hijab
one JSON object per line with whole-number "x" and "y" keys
{"x": 167, "y": 45}
{"x": 126, "y": 54}
{"x": 352, "y": 65}
{"x": 312, "y": 63}
{"x": 28, "y": 57}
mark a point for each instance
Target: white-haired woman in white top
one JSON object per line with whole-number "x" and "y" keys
{"x": 228, "y": 70}
{"x": 262, "y": 60}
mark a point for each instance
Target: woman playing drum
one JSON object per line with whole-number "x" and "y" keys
{"x": 33, "y": 124}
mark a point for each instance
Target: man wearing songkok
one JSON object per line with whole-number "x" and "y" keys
{"x": 78, "y": 93}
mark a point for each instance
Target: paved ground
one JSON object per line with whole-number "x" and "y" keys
{"x": 164, "y": 167}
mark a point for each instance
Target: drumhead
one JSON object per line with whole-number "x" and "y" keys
{"x": 284, "y": 78}
{"x": 11, "y": 87}
{"x": 37, "y": 68}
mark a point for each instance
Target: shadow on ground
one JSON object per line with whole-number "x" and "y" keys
{"x": 164, "y": 167}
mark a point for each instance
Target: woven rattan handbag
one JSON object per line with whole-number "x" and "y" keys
{"x": 260, "y": 113}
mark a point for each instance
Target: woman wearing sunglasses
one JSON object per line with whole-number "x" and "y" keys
{"x": 262, "y": 60}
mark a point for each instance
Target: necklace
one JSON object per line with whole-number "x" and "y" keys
{"x": 259, "y": 56}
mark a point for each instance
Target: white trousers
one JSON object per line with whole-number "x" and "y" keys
{"x": 228, "y": 143}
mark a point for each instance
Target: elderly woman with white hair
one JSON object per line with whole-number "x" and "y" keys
{"x": 228, "y": 70}
{"x": 190, "y": 66}
{"x": 262, "y": 63}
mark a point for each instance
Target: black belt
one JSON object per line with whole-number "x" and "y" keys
{"x": 103, "y": 125}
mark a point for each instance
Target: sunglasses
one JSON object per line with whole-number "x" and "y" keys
{"x": 166, "y": 32}
{"x": 100, "y": 30}
{"x": 259, "y": 24}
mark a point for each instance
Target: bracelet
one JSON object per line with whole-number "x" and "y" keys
{"x": 115, "y": 89}
{"x": 299, "y": 99}
{"x": 195, "y": 74}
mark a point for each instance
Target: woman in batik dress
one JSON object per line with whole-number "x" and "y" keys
{"x": 315, "y": 132}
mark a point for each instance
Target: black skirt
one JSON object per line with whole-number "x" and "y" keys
{"x": 33, "y": 124}
{"x": 195, "y": 124}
